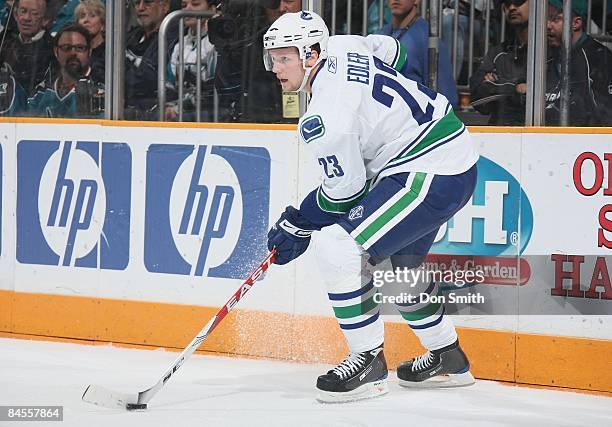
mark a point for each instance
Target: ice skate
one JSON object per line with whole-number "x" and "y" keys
{"x": 359, "y": 376}
{"x": 445, "y": 367}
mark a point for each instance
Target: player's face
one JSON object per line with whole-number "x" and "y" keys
{"x": 287, "y": 66}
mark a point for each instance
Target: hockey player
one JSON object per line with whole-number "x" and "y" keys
{"x": 397, "y": 164}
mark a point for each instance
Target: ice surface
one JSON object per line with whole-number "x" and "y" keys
{"x": 220, "y": 391}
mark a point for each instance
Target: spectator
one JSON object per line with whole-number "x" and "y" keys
{"x": 12, "y": 95}
{"x": 60, "y": 97}
{"x": 64, "y": 14}
{"x": 463, "y": 26}
{"x": 374, "y": 16}
{"x": 91, "y": 14}
{"x": 29, "y": 52}
{"x": 412, "y": 31}
{"x": 6, "y": 9}
{"x": 208, "y": 61}
{"x": 284, "y": 6}
{"x": 141, "y": 59}
{"x": 499, "y": 86}
{"x": 290, "y": 6}
{"x": 247, "y": 92}
{"x": 590, "y": 73}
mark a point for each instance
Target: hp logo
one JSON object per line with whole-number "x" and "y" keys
{"x": 206, "y": 209}
{"x": 73, "y": 203}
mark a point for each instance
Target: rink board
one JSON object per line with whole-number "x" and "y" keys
{"x": 134, "y": 232}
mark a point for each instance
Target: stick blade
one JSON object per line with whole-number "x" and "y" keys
{"x": 107, "y": 398}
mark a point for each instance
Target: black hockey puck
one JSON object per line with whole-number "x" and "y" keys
{"x": 136, "y": 406}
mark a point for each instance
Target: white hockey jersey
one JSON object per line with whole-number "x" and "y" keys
{"x": 366, "y": 121}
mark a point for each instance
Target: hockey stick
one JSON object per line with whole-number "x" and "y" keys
{"x": 103, "y": 397}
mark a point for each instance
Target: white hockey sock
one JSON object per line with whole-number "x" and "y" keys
{"x": 428, "y": 320}
{"x": 350, "y": 291}
{"x": 437, "y": 336}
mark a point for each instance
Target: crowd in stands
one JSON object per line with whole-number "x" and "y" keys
{"x": 499, "y": 86}
{"x": 52, "y": 58}
{"x": 412, "y": 31}
{"x": 208, "y": 63}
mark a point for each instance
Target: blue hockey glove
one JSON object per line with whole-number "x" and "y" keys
{"x": 290, "y": 235}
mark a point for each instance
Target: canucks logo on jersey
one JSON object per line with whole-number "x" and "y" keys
{"x": 312, "y": 128}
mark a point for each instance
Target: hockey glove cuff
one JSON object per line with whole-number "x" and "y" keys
{"x": 290, "y": 236}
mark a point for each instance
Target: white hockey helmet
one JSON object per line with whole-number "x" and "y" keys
{"x": 301, "y": 30}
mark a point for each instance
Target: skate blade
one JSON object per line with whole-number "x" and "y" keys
{"x": 366, "y": 391}
{"x": 442, "y": 381}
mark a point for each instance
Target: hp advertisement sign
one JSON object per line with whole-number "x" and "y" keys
{"x": 73, "y": 203}
{"x": 206, "y": 209}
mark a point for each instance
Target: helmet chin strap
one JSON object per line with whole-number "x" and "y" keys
{"x": 307, "y": 71}
{"x": 305, "y": 79}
